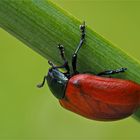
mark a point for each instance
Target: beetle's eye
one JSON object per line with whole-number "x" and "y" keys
{"x": 50, "y": 69}
{"x": 50, "y": 74}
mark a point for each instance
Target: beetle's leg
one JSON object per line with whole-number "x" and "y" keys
{"x": 42, "y": 84}
{"x": 51, "y": 64}
{"x": 109, "y": 72}
{"x": 74, "y": 57}
{"x": 62, "y": 53}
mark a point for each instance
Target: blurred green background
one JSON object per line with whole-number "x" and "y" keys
{"x": 30, "y": 113}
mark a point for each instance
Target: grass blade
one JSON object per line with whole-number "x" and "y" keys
{"x": 42, "y": 25}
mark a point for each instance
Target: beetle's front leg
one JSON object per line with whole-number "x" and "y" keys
{"x": 109, "y": 72}
{"x": 62, "y": 53}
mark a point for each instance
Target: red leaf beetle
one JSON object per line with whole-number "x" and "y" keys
{"x": 92, "y": 96}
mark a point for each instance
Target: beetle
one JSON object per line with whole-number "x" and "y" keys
{"x": 95, "y": 97}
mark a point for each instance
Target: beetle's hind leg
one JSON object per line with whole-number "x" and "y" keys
{"x": 109, "y": 72}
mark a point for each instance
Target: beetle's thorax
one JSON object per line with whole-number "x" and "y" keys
{"x": 57, "y": 82}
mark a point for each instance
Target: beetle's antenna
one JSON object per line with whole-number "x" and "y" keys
{"x": 42, "y": 84}
{"x": 74, "y": 57}
{"x": 45, "y": 77}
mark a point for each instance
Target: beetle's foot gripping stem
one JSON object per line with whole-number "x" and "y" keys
{"x": 122, "y": 69}
{"x": 109, "y": 72}
{"x": 82, "y": 28}
{"x": 62, "y": 52}
{"x": 42, "y": 84}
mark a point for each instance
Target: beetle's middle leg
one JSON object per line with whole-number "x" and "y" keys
{"x": 109, "y": 72}
{"x": 74, "y": 57}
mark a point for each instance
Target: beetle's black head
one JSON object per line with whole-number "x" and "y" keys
{"x": 57, "y": 82}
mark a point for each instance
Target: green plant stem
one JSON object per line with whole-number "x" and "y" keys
{"x": 42, "y": 25}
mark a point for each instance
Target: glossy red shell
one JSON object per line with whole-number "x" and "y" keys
{"x": 101, "y": 98}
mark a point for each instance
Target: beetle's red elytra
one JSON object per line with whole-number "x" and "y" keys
{"x": 101, "y": 98}
{"x": 92, "y": 96}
